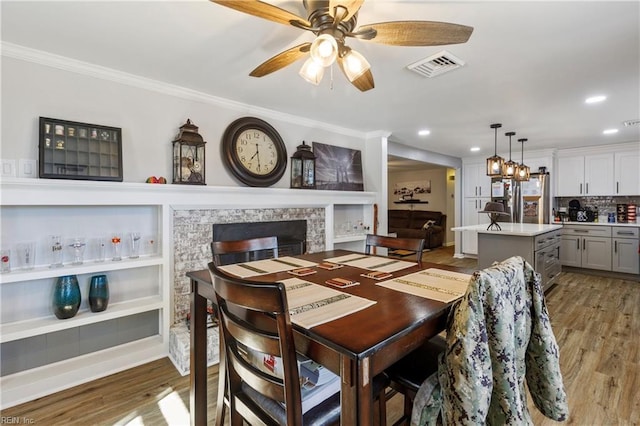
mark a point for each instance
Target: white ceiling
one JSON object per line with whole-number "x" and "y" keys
{"x": 529, "y": 65}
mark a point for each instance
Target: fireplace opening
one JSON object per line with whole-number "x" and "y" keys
{"x": 292, "y": 235}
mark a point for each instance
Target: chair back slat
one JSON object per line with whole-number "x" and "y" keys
{"x": 412, "y": 244}
{"x": 248, "y": 249}
{"x": 255, "y": 315}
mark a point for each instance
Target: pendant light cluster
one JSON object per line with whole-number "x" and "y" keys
{"x": 498, "y": 167}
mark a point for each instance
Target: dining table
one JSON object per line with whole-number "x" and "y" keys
{"x": 357, "y": 346}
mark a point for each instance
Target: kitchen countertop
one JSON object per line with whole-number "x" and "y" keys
{"x": 515, "y": 229}
{"x": 633, "y": 225}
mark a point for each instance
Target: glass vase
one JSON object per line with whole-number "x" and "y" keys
{"x": 98, "y": 293}
{"x": 66, "y": 297}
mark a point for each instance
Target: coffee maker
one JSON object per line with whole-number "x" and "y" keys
{"x": 574, "y": 207}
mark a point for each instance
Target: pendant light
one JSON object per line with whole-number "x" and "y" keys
{"x": 494, "y": 164}
{"x": 509, "y": 167}
{"x": 522, "y": 171}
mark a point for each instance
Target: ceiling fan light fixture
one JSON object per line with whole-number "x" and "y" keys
{"x": 324, "y": 50}
{"x": 355, "y": 65}
{"x": 312, "y": 71}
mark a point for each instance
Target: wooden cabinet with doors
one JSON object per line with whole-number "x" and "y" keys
{"x": 585, "y": 175}
{"x": 586, "y": 247}
{"x": 626, "y": 249}
{"x": 627, "y": 172}
{"x": 475, "y": 180}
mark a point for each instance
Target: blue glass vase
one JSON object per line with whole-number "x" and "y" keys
{"x": 66, "y": 297}
{"x": 98, "y": 293}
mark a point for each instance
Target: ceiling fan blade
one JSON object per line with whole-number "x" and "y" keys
{"x": 262, "y": 10}
{"x": 350, "y": 8}
{"x": 364, "y": 82}
{"x": 281, "y": 60}
{"x": 418, "y": 33}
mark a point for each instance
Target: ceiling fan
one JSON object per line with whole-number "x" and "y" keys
{"x": 334, "y": 20}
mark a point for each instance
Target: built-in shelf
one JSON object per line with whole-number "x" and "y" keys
{"x": 88, "y": 267}
{"x": 410, "y": 202}
{"x": 31, "y": 384}
{"x": 38, "y": 326}
{"x": 349, "y": 238}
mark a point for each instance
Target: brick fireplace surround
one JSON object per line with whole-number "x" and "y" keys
{"x": 192, "y": 235}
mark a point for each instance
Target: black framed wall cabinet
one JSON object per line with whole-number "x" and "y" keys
{"x": 74, "y": 150}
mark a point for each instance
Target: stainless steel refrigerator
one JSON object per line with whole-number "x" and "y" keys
{"x": 526, "y": 202}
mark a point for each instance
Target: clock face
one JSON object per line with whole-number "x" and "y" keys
{"x": 253, "y": 151}
{"x": 256, "y": 151}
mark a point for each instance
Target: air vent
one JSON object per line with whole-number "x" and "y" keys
{"x": 437, "y": 64}
{"x": 630, "y": 123}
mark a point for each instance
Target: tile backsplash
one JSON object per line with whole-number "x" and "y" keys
{"x": 605, "y": 204}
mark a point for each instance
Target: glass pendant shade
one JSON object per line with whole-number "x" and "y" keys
{"x": 494, "y": 166}
{"x": 354, "y": 65}
{"x": 523, "y": 172}
{"x": 324, "y": 50}
{"x": 495, "y": 163}
{"x": 312, "y": 71}
{"x": 509, "y": 167}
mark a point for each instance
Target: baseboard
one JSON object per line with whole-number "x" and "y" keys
{"x": 599, "y": 273}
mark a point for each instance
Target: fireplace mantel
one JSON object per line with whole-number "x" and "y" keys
{"x": 59, "y": 192}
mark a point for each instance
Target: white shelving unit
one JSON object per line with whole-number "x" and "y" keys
{"x": 140, "y": 289}
{"x": 42, "y": 354}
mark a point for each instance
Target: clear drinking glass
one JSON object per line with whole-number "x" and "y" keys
{"x": 116, "y": 244}
{"x": 151, "y": 244}
{"x": 100, "y": 244}
{"x": 78, "y": 245}
{"x": 5, "y": 260}
{"x": 55, "y": 251}
{"x": 134, "y": 245}
{"x": 27, "y": 254}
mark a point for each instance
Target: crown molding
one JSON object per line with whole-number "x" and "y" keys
{"x": 64, "y": 63}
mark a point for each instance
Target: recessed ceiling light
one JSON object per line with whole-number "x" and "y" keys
{"x": 610, "y": 131}
{"x": 424, "y": 132}
{"x": 475, "y": 149}
{"x": 595, "y": 99}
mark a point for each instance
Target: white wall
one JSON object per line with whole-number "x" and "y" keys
{"x": 149, "y": 113}
{"x": 440, "y": 199}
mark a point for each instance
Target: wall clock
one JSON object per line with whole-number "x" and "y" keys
{"x": 254, "y": 152}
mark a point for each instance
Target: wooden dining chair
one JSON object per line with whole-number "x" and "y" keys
{"x": 225, "y": 252}
{"x": 411, "y": 244}
{"x": 406, "y": 375}
{"x": 253, "y": 395}
{"x": 499, "y": 348}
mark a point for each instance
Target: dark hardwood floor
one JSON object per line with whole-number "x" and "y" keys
{"x": 596, "y": 321}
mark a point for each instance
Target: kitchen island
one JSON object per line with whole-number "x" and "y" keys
{"x": 538, "y": 244}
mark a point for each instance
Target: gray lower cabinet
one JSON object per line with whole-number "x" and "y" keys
{"x": 607, "y": 248}
{"x": 584, "y": 246}
{"x": 626, "y": 250}
{"x": 542, "y": 251}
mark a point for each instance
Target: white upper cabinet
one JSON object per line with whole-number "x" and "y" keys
{"x": 598, "y": 174}
{"x": 627, "y": 172}
{"x": 570, "y": 176}
{"x": 476, "y": 181}
{"x": 582, "y": 175}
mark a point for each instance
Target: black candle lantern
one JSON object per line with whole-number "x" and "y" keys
{"x": 188, "y": 156}
{"x": 303, "y": 168}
